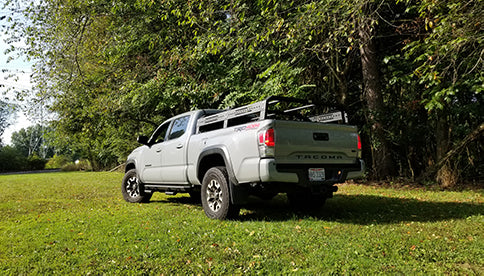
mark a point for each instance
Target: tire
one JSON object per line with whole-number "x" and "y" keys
{"x": 216, "y": 196}
{"x": 132, "y": 188}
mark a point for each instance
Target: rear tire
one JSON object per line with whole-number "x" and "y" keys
{"x": 216, "y": 195}
{"x": 132, "y": 188}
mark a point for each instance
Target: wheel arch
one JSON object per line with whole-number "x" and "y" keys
{"x": 214, "y": 157}
{"x": 129, "y": 166}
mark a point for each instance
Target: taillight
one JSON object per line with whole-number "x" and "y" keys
{"x": 359, "y": 142}
{"x": 267, "y": 142}
{"x": 267, "y": 138}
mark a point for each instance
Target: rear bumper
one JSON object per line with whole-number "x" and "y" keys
{"x": 269, "y": 171}
{"x": 357, "y": 173}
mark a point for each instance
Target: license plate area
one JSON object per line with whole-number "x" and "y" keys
{"x": 317, "y": 174}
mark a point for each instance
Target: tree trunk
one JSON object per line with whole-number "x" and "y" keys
{"x": 447, "y": 175}
{"x": 381, "y": 156}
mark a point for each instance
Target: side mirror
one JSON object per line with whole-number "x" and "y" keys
{"x": 142, "y": 140}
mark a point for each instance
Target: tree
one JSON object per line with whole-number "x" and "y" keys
{"x": 449, "y": 68}
{"x": 32, "y": 140}
{"x": 4, "y": 118}
{"x": 409, "y": 72}
{"x": 370, "y": 63}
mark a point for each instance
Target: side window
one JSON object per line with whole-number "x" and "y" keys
{"x": 160, "y": 134}
{"x": 179, "y": 127}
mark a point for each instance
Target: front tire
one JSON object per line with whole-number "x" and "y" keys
{"x": 132, "y": 188}
{"x": 216, "y": 196}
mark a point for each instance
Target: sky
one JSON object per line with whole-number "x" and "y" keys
{"x": 23, "y": 70}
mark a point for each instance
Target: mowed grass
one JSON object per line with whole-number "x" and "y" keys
{"x": 78, "y": 224}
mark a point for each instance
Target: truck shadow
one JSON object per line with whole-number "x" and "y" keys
{"x": 362, "y": 209}
{"x": 356, "y": 209}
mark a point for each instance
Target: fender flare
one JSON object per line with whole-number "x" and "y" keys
{"x": 222, "y": 151}
{"x": 130, "y": 164}
{"x": 238, "y": 194}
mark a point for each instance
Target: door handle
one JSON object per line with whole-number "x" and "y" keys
{"x": 158, "y": 150}
{"x": 179, "y": 146}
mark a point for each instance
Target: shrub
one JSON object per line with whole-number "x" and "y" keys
{"x": 57, "y": 162}
{"x": 12, "y": 160}
{"x": 79, "y": 165}
{"x": 34, "y": 162}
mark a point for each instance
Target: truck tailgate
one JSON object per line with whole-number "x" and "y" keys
{"x": 315, "y": 143}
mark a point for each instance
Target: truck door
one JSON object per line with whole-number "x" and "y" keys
{"x": 174, "y": 156}
{"x": 151, "y": 161}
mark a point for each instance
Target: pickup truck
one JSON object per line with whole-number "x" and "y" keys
{"x": 223, "y": 156}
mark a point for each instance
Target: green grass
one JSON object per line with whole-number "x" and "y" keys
{"x": 78, "y": 224}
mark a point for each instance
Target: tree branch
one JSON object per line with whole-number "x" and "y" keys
{"x": 474, "y": 135}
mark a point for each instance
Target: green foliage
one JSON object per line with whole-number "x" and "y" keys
{"x": 78, "y": 165}
{"x": 446, "y": 76}
{"x": 77, "y": 223}
{"x": 57, "y": 161}
{"x": 32, "y": 140}
{"x": 111, "y": 70}
{"x": 12, "y": 160}
{"x": 449, "y": 59}
{"x": 36, "y": 163}
{"x": 142, "y": 63}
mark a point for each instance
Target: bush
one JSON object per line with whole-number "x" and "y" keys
{"x": 57, "y": 162}
{"x": 34, "y": 162}
{"x": 79, "y": 165}
{"x": 12, "y": 160}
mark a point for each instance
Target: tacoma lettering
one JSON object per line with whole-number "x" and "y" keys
{"x": 317, "y": 157}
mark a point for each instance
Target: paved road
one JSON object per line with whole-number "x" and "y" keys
{"x": 29, "y": 172}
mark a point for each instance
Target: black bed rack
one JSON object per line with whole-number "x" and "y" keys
{"x": 266, "y": 109}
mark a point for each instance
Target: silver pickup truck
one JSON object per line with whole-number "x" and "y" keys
{"x": 262, "y": 149}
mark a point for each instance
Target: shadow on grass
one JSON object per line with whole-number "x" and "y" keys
{"x": 356, "y": 209}
{"x": 367, "y": 209}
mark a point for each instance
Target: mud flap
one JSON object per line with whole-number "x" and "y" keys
{"x": 238, "y": 194}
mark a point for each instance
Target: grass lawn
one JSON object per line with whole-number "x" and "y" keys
{"x": 78, "y": 223}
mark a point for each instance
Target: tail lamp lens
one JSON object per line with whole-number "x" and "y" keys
{"x": 267, "y": 138}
